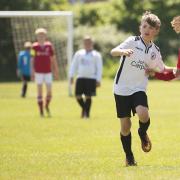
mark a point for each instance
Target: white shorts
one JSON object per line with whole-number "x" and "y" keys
{"x": 43, "y": 77}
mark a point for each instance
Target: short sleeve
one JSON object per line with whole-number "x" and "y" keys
{"x": 32, "y": 52}
{"x": 128, "y": 43}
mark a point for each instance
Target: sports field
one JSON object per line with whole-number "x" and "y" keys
{"x": 68, "y": 147}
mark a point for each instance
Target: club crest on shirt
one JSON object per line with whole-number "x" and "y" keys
{"x": 153, "y": 55}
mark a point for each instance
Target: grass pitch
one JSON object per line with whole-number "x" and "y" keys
{"x": 68, "y": 147}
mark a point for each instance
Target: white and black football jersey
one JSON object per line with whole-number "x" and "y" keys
{"x": 87, "y": 65}
{"x": 130, "y": 77}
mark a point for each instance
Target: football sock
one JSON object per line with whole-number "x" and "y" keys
{"x": 126, "y": 143}
{"x": 40, "y": 104}
{"x": 88, "y": 106}
{"x": 48, "y": 100}
{"x": 81, "y": 103}
{"x": 143, "y": 127}
{"x": 24, "y": 89}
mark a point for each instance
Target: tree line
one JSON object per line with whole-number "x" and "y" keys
{"x": 109, "y": 22}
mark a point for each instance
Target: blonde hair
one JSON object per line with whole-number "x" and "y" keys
{"x": 27, "y": 44}
{"x": 40, "y": 30}
{"x": 176, "y": 24}
{"x": 151, "y": 19}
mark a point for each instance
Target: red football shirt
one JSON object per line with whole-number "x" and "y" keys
{"x": 42, "y": 57}
{"x": 178, "y": 64}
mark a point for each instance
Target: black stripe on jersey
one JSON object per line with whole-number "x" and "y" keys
{"x": 148, "y": 48}
{"x": 143, "y": 41}
{"x": 157, "y": 48}
{"x": 137, "y": 38}
{"x": 120, "y": 69}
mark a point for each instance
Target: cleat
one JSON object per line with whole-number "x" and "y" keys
{"x": 145, "y": 143}
{"x": 130, "y": 161}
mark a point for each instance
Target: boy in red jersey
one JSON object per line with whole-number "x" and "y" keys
{"x": 43, "y": 62}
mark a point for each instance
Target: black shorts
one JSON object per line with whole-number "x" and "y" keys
{"x": 26, "y": 77}
{"x": 85, "y": 86}
{"x": 127, "y": 104}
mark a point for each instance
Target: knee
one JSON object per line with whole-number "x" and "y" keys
{"x": 142, "y": 113}
{"x": 125, "y": 127}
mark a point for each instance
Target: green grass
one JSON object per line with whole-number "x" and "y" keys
{"x": 68, "y": 147}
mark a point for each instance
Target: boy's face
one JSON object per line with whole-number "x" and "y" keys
{"x": 88, "y": 44}
{"x": 147, "y": 31}
{"x": 41, "y": 37}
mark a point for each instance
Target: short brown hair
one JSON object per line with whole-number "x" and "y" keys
{"x": 151, "y": 19}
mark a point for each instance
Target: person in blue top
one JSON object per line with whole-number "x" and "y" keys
{"x": 24, "y": 66}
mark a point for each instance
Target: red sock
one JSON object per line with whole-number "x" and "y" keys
{"x": 166, "y": 76}
{"x": 40, "y": 104}
{"x": 48, "y": 100}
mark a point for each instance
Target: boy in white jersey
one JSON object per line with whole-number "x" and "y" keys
{"x": 87, "y": 64}
{"x": 137, "y": 53}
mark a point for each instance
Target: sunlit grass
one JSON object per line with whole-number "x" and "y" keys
{"x": 68, "y": 147}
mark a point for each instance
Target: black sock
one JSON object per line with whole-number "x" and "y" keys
{"x": 24, "y": 89}
{"x": 126, "y": 143}
{"x": 143, "y": 127}
{"x": 81, "y": 102}
{"x": 88, "y": 106}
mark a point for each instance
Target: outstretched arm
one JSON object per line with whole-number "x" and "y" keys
{"x": 166, "y": 75}
{"x": 121, "y": 52}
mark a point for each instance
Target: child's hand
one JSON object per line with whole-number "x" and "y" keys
{"x": 127, "y": 52}
{"x": 149, "y": 72}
